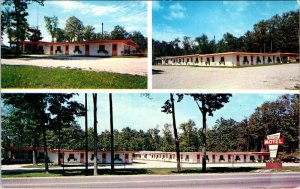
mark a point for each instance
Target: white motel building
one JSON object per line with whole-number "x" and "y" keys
{"x": 212, "y": 157}
{"x": 73, "y": 156}
{"x": 229, "y": 59}
{"x": 83, "y": 48}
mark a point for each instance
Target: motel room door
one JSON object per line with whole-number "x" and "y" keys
{"x": 67, "y": 50}
{"x": 104, "y": 158}
{"x": 114, "y": 50}
{"x": 51, "y": 50}
{"x": 198, "y": 158}
{"x": 81, "y": 157}
{"x": 126, "y": 158}
{"x": 87, "y": 50}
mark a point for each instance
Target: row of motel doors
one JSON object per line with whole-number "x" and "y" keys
{"x": 87, "y": 50}
{"x": 103, "y": 158}
{"x": 230, "y": 158}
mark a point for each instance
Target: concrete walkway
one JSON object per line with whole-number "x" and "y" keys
{"x": 133, "y": 66}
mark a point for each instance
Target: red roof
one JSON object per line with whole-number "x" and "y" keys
{"x": 234, "y": 53}
{"x": 126, "y": 41}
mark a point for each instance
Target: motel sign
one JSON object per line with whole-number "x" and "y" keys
{"x": 268, "y": 142}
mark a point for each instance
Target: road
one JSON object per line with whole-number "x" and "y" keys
{"x": 237, "y": 180}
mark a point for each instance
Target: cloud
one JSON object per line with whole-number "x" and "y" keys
{"x": 176, "y": 12}
{"x": 86, "y": 8}
{"x": 167, "y": 33}
{"x": 156, "y": 6}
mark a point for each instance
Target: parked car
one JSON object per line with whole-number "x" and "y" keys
{"x": 292, "y": 159}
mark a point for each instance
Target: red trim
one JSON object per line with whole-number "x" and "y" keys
{"x": 125, "y": 41}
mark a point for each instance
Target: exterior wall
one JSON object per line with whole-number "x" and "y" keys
{"x": 95, "y": 47}
{"x": 53, "y": 157}
{"x": 196, "y": 157}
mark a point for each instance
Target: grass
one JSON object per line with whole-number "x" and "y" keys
{"x": 38, "y": 77}
{"x": 150, "y": 171}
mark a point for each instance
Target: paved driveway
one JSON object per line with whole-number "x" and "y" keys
{"x": 133, "y": 66}
{"x": 281, "y": 77}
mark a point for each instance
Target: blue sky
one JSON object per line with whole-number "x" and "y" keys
{"x": 139, "y": 112}
{"x": 131, "y": 15}
{"x": 213, "y": 18}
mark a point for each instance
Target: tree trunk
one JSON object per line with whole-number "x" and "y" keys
{"x": 175, "y": 134}
{"x": 34, "y": 152}
{"x": 59, "y": 146}
{"x": 112, "y": 150}
{"x": 95, "y": 134}
{"x": 204, "y": 139}
{"x": 45, "y": 149}
{"x": 86, "y": 137}
{"x": 16, "y": 3}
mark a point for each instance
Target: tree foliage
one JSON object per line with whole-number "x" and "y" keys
{"x": 279, "y": 33}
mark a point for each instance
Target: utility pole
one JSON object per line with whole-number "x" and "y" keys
{"x": 102, "y": 31}
{"x": 112, "y": 150}
{"x": 86, "y": 137}
{"x": 95, "y": 134}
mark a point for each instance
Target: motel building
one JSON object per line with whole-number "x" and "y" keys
{"x": 229, "y": 59}
{"x": 70, "y": 156}
{"x": 83, "y": 48}
{"x": 212, "y": 157}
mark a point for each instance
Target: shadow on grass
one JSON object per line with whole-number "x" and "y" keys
{"x": 74, "y": 172}
{"x": 219, "y": 170}
{"x": 157, "y": 71}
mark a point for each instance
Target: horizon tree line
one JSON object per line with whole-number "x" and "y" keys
{"x": 280, "y": 33}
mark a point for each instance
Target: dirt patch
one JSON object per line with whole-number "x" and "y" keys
{"x": 132, "y": 66}
{"x": 282, "y": 77}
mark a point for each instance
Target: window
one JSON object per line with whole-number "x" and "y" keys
{"x": 71, "y": 156}
{"x": 269, "y": 60}
{"x": 197, "y": 60}
{"x": 92, "y": 156}
{"x": 58, "y": 49}
{"x": 213, "y": 59}
{"x": 221, "y": 158}
{"x": 102, "y": 49}
{"x": 187, "y": 60}
{"x": 117, "y": 156}
{"x": 207, "y": 60}
{"x": 258, "y": 59}
{"x": 252, "y": 158}
{"x": 222, "y": 59}
{"x": 237, "y": 158}
{"x": 245, "y": 61}
{"x": 77, "y": 49}
{"x": 278, "y": 60}
{"x": 187, "y": 157}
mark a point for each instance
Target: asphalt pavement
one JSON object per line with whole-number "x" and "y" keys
{"x": 236, "y": 180}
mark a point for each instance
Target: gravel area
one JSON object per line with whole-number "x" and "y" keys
{"x": 279, "y": 77}
{"x": 133, "y": 66}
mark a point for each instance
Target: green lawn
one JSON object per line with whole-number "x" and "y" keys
{"x": 38, "y": 77}
{"x": 150, "y": 171}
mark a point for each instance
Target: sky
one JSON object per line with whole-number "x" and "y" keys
{"x": 138, "y": 112}
{"x": 131, "y": 15}
{"x": 212, "y": 18}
